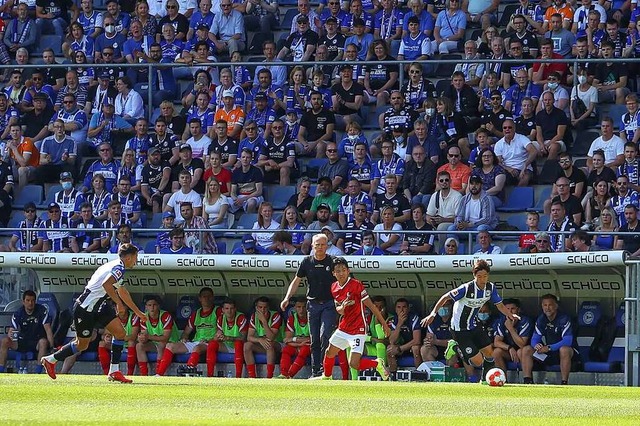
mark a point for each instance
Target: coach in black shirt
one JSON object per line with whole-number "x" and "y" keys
{"x": 317, "y": 268}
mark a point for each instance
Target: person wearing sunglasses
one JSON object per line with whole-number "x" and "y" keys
{"x": 516, "y": 154}
{"x": 443, "y": 204}
{"x": 493, "y": 119}
{"x": 26, "y": 241}
{"x": 227, "y": 29}
{"x": 74, "y": 118}
{"x": 57, "y": 155}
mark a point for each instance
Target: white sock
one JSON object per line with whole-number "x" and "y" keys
{"x": 113, "y": 368}
{"x": 51, "y": 359}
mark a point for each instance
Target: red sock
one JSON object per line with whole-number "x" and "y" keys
{"x": 288, "y": 352}
{"x": 194, "y": 359}
{"x": 251, "y": 370}
{"x": 239, "y": 357}
{"x": 270, "y": 368}
{"x": 131, "y": 360}
{"x": 212, "y": 357}
{"x": 300, "y": 361}
{"x": 144, "y": 368}
{"x": 165, "y": 362}
{"x": 366, "y": 364}
{"x": 328, "y": 364}
{"x": 344, "y": 364}
{"x": 104, "y": 356}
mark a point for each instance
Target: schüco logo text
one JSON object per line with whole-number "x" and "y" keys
{"x": 37, "y": 260}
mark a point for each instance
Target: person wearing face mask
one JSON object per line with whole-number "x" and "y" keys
{"x": 369, "y": 247}
{"x": 437, "y": 338}
{"x": 66, "y": 198}
{"x": 353, "y": 136}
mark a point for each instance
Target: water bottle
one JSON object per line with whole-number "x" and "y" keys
{"x": 23, "y": 370}
{"x": 229, "y": 375}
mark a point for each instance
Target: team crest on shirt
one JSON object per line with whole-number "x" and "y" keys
{"x": 86, "y": 333}
{"x": 468, "y": 350}
{"x": 225, "y": 148}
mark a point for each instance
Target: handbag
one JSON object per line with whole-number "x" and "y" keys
{"x": 578, "y": 107}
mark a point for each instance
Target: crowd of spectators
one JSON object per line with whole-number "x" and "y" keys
{"x": 442, "y": 158}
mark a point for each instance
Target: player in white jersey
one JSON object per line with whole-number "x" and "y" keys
{"x": 93, "y": 309}
{"x": 474, "y": 345}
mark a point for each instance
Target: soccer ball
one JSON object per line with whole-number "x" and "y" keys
{"x": 496, "y": 377}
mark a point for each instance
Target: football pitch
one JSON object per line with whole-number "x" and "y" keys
{"x": 35, "y": 399}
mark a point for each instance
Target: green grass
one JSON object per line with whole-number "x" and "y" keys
{"x": 35, "y": 399}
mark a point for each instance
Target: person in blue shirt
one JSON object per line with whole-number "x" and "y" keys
{"x": 511, "y": 336}
{"x": 30, "y": 330}
{"x": 163, "y": 240}
{"x": 552, "y": 342}
{"x": 369, "y": 247}
{"x": 176, "y": 235}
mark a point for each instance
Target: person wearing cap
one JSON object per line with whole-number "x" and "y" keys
{"x": 317, "y": 127}
{"x": 176, "y": 235}
{"x": 233, "y": 114}
{"x": 246, "y": 184}
{"x": 101, "y": 94}
{"x": 87, "y": 242}
{"x": 273, "y": 92}
{"x": 278, "y": 158}
{"x": 24, "y": 155}
{"x": 39, "y": 86}
{"x": 57, "y": 155}
{"x": 333, "y": 40}
{"x": 227, "y": 30}
{"x": 360, "y": 38}
{"x": 323, "y": 215}
{"x": 325, "y": 195}
{"x": 301, "y": 44}
{"x": 54, "y": 235}
{"x": 162, "y": 239}
{"x": 194, "y": 166}
{"x": 26, "y": 241}
{"x": 248, "y": 246}
{"x": 337, "y": 169}
{"x": 483, "y": 217}
{"x": 66, "y": 198}
{"x": 332, "y": 249}
{"x": 305, "y": 11}
{"x": 261, "y": 115}
{"x": 356, "y": 12}
{"x": 333, "y": 13}
{"x": 156, "y": 175}
{"x": 201, "y": 18}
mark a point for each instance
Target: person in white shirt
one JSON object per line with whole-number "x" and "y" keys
{"x": 184, "y": 195}
{"x": 129, "y": 103}
{"x": 611, "y": 144}
{"x": 198, "y": 141}
{"x": 515, "y": 153}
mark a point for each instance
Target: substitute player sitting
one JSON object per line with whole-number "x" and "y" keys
{"x": 405, "y": 337}
{"x": 297, "y": 341}
{"x": 205, "y": 323}
{"x": 263, "y": 336}
{"x": 159, "y": 330}
{"x": 473, "y": 342}
{"x": 231, "y": 335}
{"x": 350, "y": 298}
{"x": 93, "y": 310}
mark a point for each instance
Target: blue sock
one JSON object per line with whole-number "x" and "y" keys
{"x": 1, "y": 368}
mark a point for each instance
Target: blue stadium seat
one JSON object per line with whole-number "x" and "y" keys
{"x": 538, "y": 207}
{"x": 446, "y": 69}
{"x": 616, "y": 111}
{"x": 506, "y": 14}
{"x": 519, "y": 200}
{"x": 617, "y": 355}
{"x": 583, "y": 141}
{"x": 16, "y": 217}
{"x": 30, "y": 193}
{"x": 153, "y": 222}
{"x": 511, "y": 249}
{"x": 51, "y": 193}
{"x": 442, "y": 85}
{"x": 313, "y": 167}
{"x": 186, "y": 306}
{"x": 246, "y": 221}
{"x": 49, "y": 41}
{"x": 255, "y": 46}
{"x": 222, "y": 247}
{"x": 150, "y": 247}
{"x": 519, "y": 221}
{"x": 285, "y": 23}
{"x": 279, "y": 195}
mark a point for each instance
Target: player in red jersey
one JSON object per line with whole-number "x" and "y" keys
{"x": 350, "y": 298}
{"x": 231, "y": 335}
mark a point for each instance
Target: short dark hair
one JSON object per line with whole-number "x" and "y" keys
{"x": 549, "y": 296}
{"x": 126, "y": 248}
{"x": 340, "y": 261}
{"x": 28, "y": 293}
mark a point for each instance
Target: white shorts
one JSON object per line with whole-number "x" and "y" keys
{"x": 342, "y": 340}
{"x": 192, "y": 345}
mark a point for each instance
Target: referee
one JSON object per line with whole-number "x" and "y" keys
{"x": 318, "y": 269}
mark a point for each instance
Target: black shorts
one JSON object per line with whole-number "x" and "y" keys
{"x": 27, "y": 345}
{"x": 84, "y": 322}
{"x": 471, "y": 341}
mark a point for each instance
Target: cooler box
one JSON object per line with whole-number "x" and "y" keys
{"x": 435, "y": 370}
{"x": 455, "y": 375}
